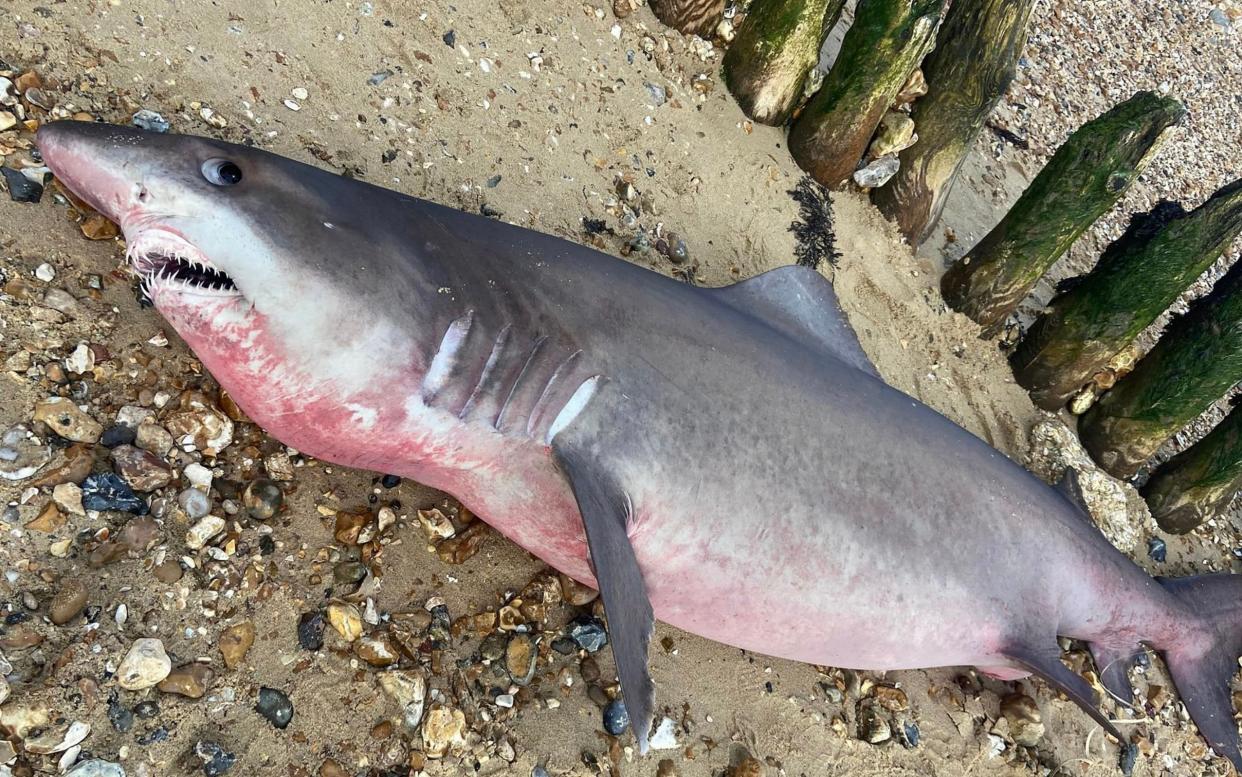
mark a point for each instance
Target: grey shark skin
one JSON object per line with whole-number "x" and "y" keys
{"x": 726, "y": 460}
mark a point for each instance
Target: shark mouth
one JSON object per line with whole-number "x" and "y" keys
{"x": 166, "y": 262}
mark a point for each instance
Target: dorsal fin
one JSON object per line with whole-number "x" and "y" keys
{"x": 802, "y": 304}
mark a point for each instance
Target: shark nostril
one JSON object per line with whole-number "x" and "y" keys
{"x": 143, "y": 194}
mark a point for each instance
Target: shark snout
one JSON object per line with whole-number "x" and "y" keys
{"x": 95, "y": 161}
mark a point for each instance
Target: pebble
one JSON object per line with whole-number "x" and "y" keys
{"x": 349, "y": 572}
{"x": 216, "y": 760}
{"x": 198, "y": 476}
{"x": 520, "y": 655}
{"x": 121, "y": 718}
{"x": 1127, "y": 756}
{"x": 194, "y": 502}
{"x": 896, "y": 134}
{"x": 67, "y": 420}
{"x": 1157, "y": 550}
{"x": 21, "y": 188}
{"x": 168, "y": 571}
{"x": 910, "y": 734}
{"x": 151, "y": 121}
{"x": 376, "y": 651}
{"x": 665, "y": 736}
{"x": 68, "y": 497}
{"x": 588, "y": 633}
{"x": 310, "y": 630}
{"x": 493, "y": 646}
{"x": 141, "y": 469}
{"x": 21, "y": 455}
{"x": 1025, "y": 723}
{"x": 436, "y": 525}
{"x": 107, "y": 491}
{"x": 48, "y": 520}
{"x": 144, "y": 666}
{"x": 190, "y": 680}
{"x": 68, "y": 602}
{"x": 877, "y": 173}
{"x": 873, "y": 725}
{"x": 443, "y": 730}
{"x": 408, "y": 688}
{"x": 96, "y": 767}
{"x": 152, "y": 437}
{"x": 201, "y": 427}
{"x": 98, "y": 227}
{"x": 147, "y": 709}
{"x": 263, "y": 499}
{"x": 616, "y": 719}
{"x": 390, "y": 481}
{"x": 235, "y": 642}
{"x": 346, "y": 619}
{"x": 58, "y": 740}
{"x": 118, "y": 434}
{"x": 81, "y": 361}
{"x": 274, "y": 705}
{"x": 201, "y": 532}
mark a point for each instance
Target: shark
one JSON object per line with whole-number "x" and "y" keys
{"x": 727, "y": 460}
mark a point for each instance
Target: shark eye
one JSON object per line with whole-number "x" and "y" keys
{"x": 222, "y": 172}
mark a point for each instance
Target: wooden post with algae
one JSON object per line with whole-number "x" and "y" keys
{"x": 886, "y": 42}
{"x": 1196, "y": 362}
{"x": 1084, "y": 178}
{"x": 691, "y": 17}
{"x": 1201, "y": 481}
{"x": 776, "y": 47}
{"x": 1136, "y": 280}
{"x": 974, "y": 61}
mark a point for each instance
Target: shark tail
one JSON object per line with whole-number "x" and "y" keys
{"x": 1203, "y": 659}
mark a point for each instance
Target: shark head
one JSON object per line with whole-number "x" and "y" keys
{"x": 274, "y": 272}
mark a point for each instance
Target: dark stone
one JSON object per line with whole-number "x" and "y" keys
{"x": 120, "y": 434}
{"x": 450, "y": 39}
{"x": 616, "y": 719}
{"x": 151, "y": 737}
{"x": 216, "y": 760}
{"x": 150, "y": 121}
{"x": 147, "y": 709}
{"x": 267, "y": 545}
{"x": 275, "y": 706}
{"x": 310, "y": 630}
{"x": 390, "y": 481}
{"x": 1157, "y": 551}
{"x": 21, "y": 188}
{"x": 108, "y": 491}
{"x": 910, "y": 734}
{"x": 121, "y": 718}
{"x": 588, "y": 633}
{"x": 1126, "y": 758}
{"x": 564, "y": 646}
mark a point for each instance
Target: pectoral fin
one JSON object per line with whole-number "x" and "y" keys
{"x": 606, "y": 512}
{"x": 1047, "y": 664}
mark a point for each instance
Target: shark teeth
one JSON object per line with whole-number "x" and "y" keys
{"x": 167, "y": 262}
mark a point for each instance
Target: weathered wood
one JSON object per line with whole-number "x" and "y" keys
{"x": 1136, "y": 280}
{"x": 1196, "y": 362}
{"x": 1201, "y": 481}
{"x": 886, "y": 42}
{"x": 976, "y": 55}
{"x": 1084, "y": 178}
{"x": 773, "y": 53}
{"x": 692, "y": 17}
